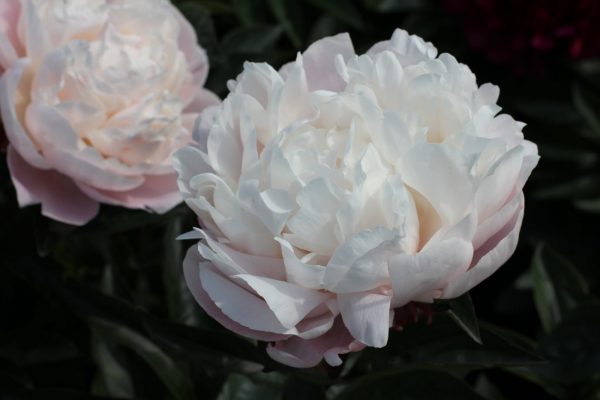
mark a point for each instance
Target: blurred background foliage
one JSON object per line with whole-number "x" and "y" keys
{"x": 101, "y": 311}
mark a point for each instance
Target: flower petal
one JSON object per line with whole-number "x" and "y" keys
{"x": 61, "y": 199}
{"x": 319, "y": 62}
{"x": 439, "y": 173}
{"x": 301, "y": 353}
{"x": 490, "y": 258}
{"x": 290, "y": 303}
{"x": 192, "y": 263}
{"x": 367, "y": 316}
{"x": 413, "y": 275}
{"x": 158, "y": 193}
{"x": 10, "y": 102}
{"x": 360, "y": 263}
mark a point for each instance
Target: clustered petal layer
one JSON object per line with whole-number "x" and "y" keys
{"x": 96, "y": 95}
{"x": 344, "y": 186}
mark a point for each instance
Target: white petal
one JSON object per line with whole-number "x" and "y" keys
{"x": 319, "y": 62}
{"x": 36, "y": 36}
{"x": 489, "y": 227}
{"x": 413, "y": 275}
{"x": 10, "y": 99}
{"x": 367, "y": 316}
{"x": 439, "y": 174}
{"x": 360, "y": 263}
{"x": 232, "y": 262}
{"x": 308, "y": 275}
{"x": 290, "y": 303}
{"x": 86, "y": 166}
{"x": 192, "y": 264}
{"x": 238, "y": 304}
{"x": 499, "y": 184}
{"x": 272, "y": 206}
{"x": 489, "y": 262}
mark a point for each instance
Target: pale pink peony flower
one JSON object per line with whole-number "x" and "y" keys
{"x": 96, "y": 95}
{"x": 343, "y": 187}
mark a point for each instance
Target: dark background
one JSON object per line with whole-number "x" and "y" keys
{"x": 101, "y": 311}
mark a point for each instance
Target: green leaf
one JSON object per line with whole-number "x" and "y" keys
{"x": 588, "y": 105}
{"x": 247, "y": 11}
{"x": 215, "y": 348}
{"x": 252, "y": 40}
{"x": 402, "y": 385}
{"x": 343, "y": 10}
{"x": 387, "y": 6}
{"x": 200, "y": 18}
{"x": 262, "y": 387}
{"x": 578, "y": 188}
{"x": 591, "y": 206}
{"x": 573, "y": 347}
{"x": 285, "y": 13}
{"x": 324, "y": 26}
{"x": 112, "y": 378}
{"x": 557, "y": 286}
{"x": 444, "y": 343}
{"x": 165, "y": 368}
{"x": 300, "y": 389}
{"x": 463, "y": 313}
{"x": 548, "y": 111}
{"x": 487, "y": 389}
{"x": 180, "y": 303}
{"x": 573, "y": 353}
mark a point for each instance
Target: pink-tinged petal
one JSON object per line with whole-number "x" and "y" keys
{"x": 300, "y": 353}
{"x": 86, "y": 166}
{"x": 239, "y": 304}
{"x": 360, "y": 263}
{"x": 289, "y": 303}
{"x": 231, "y": 262}
{"x": 191, "y": 269}
{"x": 196, "y": 60}
{"x": 439, "y": 173}
{"x": 188, "y": 43}
{"x": 367, "y": 316}
{"x": 49, "y": 128}
{"x": 319, "y": 62}
{"x": 10, "y": 100}
{"x": 489, "y": 257}
{"x": 61, "y": 199}
{"x": 189, "y": 162}
{"x": 158, "y": 193}
{"x": 230, "y": 216}
{"x": 36, "y": 37}
{"x": 203, "y": 98}
{"x": 496, "y": 222}
{"x": 10, "y": 46}
{"x": 298, "y": 272}
{"x": 294, "y": 101}
{"x": 496, "y": 188}
{"x": 410, "y": 48}
{"x": 428, "y": 270}
{"x": 310, "y": 328}
{"x": 530, "y": 160}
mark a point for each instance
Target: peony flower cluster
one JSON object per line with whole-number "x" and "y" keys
{"x": 345, "y": 186}
{"x": 96, "y": 95}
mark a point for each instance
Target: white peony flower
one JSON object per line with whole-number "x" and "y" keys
{"x": 95, "y": 96}
{"x": 345, "y": 186}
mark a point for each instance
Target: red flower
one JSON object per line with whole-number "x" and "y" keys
{"x": 524, "y": 34}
